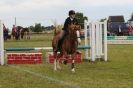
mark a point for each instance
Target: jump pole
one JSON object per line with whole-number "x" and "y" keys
{"x": 97, "y": 32}
{"x": 1, "y": 44}
{"x": 93, "y": 41}
{"x": 105, "y": 40}
{"x": 100, "y": 38}
{"x": 90, "y": 38}
{"x": 86, "y": 39}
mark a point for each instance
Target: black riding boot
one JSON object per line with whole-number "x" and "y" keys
{"x": 60, "y": 44}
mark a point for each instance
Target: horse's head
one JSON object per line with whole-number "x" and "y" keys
{"x": 74, "y": 32}
{"x": 19, "y": 28}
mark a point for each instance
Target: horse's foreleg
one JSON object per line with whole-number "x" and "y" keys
{"x": 13, "y": 36}
{"x": 65, "y": 57}
{"x": 73, "y": 64}
{"x": 55, "y": 61}
{"x": 55, "y": 65}
{"x": 58, "y": 61}
{"x": 28, "y": 36}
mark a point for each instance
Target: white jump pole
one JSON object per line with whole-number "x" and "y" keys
{"x": 98, "y": 55}
{"x": 105, "y": 40}
{"x": 90, "y": 38}
{"x": 86, "y": 39}
{"x": 1, "y": 44}
{"x": 93, "y": 42}
{"x": 101, "y": 38}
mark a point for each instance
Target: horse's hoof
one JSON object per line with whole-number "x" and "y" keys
{"x": 73, "y": 70}
{"x": 55, "y": 69}
{"x": 58, "y": 67}
{"x": 65, "y": 62}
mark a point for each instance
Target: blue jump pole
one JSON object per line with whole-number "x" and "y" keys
{"x": 44, "y": 48}
{"x": 19, "y": 49}
{"x": 84, "y": 47}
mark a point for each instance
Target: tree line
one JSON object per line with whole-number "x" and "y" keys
{"x": 39, "y": 28}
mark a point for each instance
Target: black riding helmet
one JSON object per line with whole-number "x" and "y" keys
{"x": 71, "y": 12}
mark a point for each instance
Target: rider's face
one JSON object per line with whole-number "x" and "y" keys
{"x": 72, "y": 16}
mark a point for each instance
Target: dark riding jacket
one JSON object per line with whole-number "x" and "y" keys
{"x": 68, "y": 21}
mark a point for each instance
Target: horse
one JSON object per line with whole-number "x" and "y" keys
{"x": 69, "y": 46}
{"x": 16, "y": 33}
{"x": 13, "y": 34}
{"x": 25, "y": 32}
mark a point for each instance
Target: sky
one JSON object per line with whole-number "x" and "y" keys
{"x": 29, "y": 12}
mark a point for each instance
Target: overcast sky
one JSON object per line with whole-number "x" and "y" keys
{"x": 29, "y": 12}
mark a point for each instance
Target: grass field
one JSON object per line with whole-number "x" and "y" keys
{"x": 116, "y": 73}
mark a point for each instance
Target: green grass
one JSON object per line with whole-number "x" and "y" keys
{"x": 116, "y": 73}
{"x": 39, "y": 40}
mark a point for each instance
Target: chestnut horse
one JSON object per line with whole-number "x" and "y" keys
{"x": 69, "y": 46}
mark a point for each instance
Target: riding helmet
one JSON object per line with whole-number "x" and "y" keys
{"x": 71, "y": 12}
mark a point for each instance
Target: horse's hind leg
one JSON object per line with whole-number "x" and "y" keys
{"x": 55, "y": 65}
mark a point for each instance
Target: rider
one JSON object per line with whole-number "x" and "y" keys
{"x": 64, "y": 32}
{"x": 14, "y": 29}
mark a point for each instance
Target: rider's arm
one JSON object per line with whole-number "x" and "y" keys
{"x": 66, "y": 25}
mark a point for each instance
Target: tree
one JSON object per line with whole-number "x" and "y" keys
{"x": 38, "y": 27}
{"x": 32, "y": 28}
{"x": 80, "y": 17}
{"x": 102, "y": 20}
{"x": 43, "y": 28}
